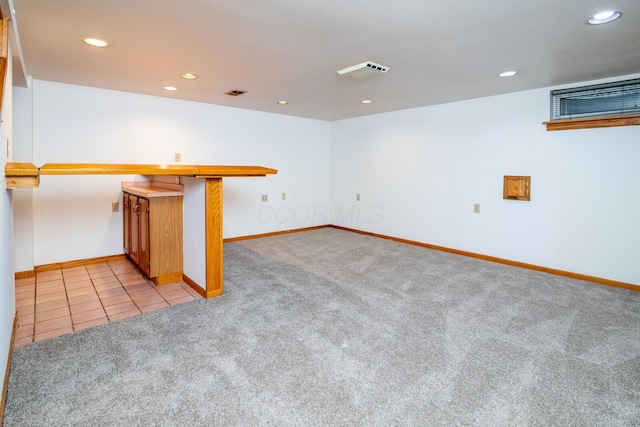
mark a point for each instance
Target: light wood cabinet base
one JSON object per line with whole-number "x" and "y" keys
{"x": 167, "y": 278}
{"x": 153, "y": 230}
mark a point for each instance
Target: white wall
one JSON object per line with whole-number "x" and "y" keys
{"x": 195, "y": 260}
{"x": 72, "y": 214}
{"x": 7, "y": 283}
{"x": 420, "y": 171}
{"x": 23, "y": 198}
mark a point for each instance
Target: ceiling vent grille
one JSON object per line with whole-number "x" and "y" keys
{"x": 235, "y": 92}
{"x": 364, "y": 70}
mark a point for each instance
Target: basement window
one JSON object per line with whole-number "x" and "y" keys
{"x": 609, "y": 99}
{"x": 607, "y": 104}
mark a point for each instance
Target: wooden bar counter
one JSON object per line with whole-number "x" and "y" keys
{"x": 27, "y": 175}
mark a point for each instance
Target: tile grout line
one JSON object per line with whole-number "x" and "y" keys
{"x": 156, "y": 291}
{"x": 123, "y": 287}
{"x": 35, "y": 306}
{"x": 33, "y": 324}
{"x": 94, "y": 291}
{"x": 66, "y": 294}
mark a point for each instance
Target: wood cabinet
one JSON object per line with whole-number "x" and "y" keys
{"x": 152, "y": 231}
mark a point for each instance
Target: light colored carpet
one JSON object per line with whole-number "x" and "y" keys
{"x": 334, "y": 328}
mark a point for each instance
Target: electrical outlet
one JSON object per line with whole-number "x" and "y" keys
{"x": 284, "y": 196}
{"x": 115, "y": 207}
{"x": 476, "y": 208}
{"x": 358, "y": 197}
{"x": 265, "y": 198}
{"x": 177, "y": 157}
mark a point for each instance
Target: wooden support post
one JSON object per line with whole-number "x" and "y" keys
{"x": 213, "y": 237}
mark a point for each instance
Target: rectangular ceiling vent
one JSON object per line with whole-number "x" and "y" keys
{"x": 235, "y": 92}
{"x": 364, "y": 70}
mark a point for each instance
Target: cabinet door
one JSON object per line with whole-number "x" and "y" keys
{"x": 144, "y": 261}
{"x": 126, "y": 223}
{"x": 135, "y": 229}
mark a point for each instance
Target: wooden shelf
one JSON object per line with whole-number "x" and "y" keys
{"x": 114, "y": 169}
{"x": 205, "y": 171}
{"x": 124, "y": 169}
{"x": 26, "y": 175}
{"x": 594, "y": 122}
{"x": 21, "y": 175}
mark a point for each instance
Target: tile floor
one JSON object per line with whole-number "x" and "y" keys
{"x": 61, "y": 301}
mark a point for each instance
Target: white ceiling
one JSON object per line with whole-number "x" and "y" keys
{"x": 437, "y": 51}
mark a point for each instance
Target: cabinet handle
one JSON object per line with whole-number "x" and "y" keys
{"x": 136, "y": 208}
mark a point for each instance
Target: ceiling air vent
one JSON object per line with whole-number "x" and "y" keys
{"x": 235, "y": 92}
{"x": 364, "y": 70}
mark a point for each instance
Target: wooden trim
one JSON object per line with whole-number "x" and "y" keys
{"x": 3, "y": 70}
{"x": 275, "y": 233}
{"x": 213, "y": 237}
{"x": 557, "y": 272}
{"x": 199, "y": 289}
{"x": 69, "y": 264}
{"x": 24, "y": 274}
{"x": 4, "y": 55}
{"x": 214, "y": 293}
{"x": 21, "y": 181}
{"x": 594, "y": 122}
{"x": 3, "y": 74}
{"x": 5, "y": 385}
{"x": 163, "y": 279}
{"x": 4, "y": 49}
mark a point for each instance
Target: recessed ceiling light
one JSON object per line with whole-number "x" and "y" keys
{"x": 366, "y": 101}
{"x": 95, "y": 42}
{"x": 188, "y": 76}
{"x": 169, "y": 88}
{"x": 509, "y": 73}
{"x": 283, "y": 102}
{"x": 604, "y": 17}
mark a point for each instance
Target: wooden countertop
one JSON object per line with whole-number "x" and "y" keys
{"x": 26, "y": 175}
{"x": 151, "y": 189}
{"x": 123, "y": 169}
{"x": 20, "y": 169}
